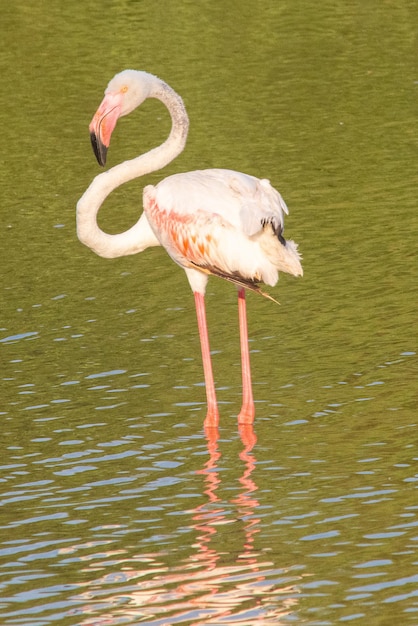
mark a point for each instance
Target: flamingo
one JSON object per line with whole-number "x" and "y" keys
{"x": 211, "y": 222}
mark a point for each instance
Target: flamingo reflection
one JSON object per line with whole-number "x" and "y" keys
{"x": 207, "y": 587}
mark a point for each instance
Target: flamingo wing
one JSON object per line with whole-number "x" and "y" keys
{"x": 243, "y": 200}
{"x": 220, "y": 222}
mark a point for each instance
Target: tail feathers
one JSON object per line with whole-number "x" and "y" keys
{"x": 282, "y": 253}
{"x": 293, "y": 258}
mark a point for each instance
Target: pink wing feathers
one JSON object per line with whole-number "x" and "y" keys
{"x": 223, "y": 223}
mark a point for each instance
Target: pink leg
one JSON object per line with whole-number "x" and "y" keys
{"x": 246, "y": 415}
{"x": 212, "y": 416}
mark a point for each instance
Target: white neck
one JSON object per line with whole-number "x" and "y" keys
{"x": 139, "y": 236}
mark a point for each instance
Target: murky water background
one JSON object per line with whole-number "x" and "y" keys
{"x": 116, "y": 509}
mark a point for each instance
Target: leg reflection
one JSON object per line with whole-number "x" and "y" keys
{"x": 223, "y": 579}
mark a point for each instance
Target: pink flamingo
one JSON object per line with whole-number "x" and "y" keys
{"x": 211, "y": 222}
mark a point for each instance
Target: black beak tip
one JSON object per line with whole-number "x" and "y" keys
{"x": 99, "y": 149}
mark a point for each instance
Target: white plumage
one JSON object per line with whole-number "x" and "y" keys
{"x": 224, "y": 221}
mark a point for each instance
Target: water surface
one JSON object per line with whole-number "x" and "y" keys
{"x": 117, "y": 508}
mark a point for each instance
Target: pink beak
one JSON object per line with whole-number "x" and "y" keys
{"x": 103, "y": 124}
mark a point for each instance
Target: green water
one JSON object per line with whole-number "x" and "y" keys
{"x": 116, "y": 509}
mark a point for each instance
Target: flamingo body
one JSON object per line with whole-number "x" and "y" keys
{"x": 224, "y": 223}
{"x": 211, "y": 222}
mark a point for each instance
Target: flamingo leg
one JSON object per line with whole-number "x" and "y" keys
{"x": 246, "y": 415}
{"x": 212, "y": 416}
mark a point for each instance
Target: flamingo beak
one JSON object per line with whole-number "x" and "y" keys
{"x": 103, "y": 124}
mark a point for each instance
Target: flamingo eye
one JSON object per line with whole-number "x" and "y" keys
{"x": 124, "y": 89}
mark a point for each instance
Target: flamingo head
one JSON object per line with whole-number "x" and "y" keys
{"x": 125, "y": 92}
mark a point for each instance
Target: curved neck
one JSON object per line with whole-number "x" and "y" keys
{"x": 139, "y": 236}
